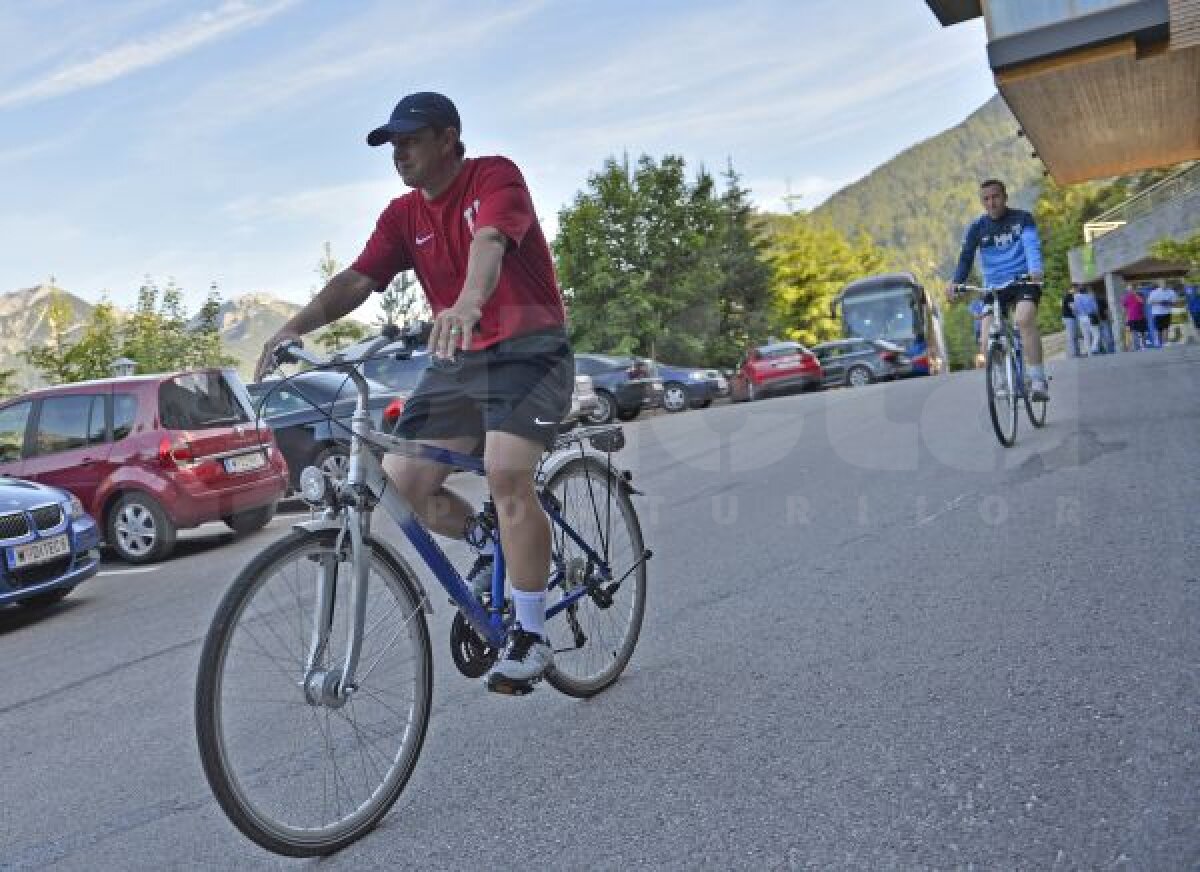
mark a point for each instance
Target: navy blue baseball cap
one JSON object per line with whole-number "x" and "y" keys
{"x": 423, "y": 109}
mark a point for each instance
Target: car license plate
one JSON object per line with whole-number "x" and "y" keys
{"x": 40, "y": 551}
{"x": 245, "y": 462}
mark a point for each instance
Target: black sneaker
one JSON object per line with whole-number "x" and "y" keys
{"x": 524, "y": 663}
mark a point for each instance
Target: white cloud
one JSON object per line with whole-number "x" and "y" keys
{"x": 231, "y": 16}
{"x": 330, "y": 202}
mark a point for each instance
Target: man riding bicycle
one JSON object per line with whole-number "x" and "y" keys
{"x": 469, "y": 232}
{"x": 1009, "y": 249}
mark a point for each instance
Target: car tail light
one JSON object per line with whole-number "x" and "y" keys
{"x": 921, "y": 360}
{"x": 394, "y": 409}
{"x": 175, "y": 452}
{"x": 889, "y": 356}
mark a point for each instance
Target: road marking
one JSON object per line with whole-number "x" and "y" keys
{"x": 129, "y": 571}
{"x": 950, "y": 505}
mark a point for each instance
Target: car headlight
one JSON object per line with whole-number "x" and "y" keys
{"x": 696, "y": 376}
{"x": 75, "y": 508}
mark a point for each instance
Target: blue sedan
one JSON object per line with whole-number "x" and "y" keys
{"x": 690, "y": 387}
{"x": 49, "y": 543}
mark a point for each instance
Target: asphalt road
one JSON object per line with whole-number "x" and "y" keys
{"x": 874, "y": 640}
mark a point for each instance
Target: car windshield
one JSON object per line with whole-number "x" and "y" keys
{"x": 201, "y": 400}
{"x": 882, "y": 314}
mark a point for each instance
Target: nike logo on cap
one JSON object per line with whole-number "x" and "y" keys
{"x": 421, "y": 240}
{"x": 542, "y": 423}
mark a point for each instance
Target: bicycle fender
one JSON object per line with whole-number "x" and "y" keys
{"x": 318, "y": 524}
{"x": 559, "y": 459}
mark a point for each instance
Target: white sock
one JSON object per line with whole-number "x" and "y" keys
{"x": 489, "y": 548}
{"x": 531, "y": 611}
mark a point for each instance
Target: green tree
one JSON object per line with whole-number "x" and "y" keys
{"x": 635, "y": 256}
{"x": 343, "y": 331}
{"x": 53, "y": 358}
{"x": 812, "y": 261}
{"x": 1183, "y": 250}
{"x": 743, "y": 286}
{"x": 100, "y": 344}
{"x": 403, "y": 302}
{"x": 205, "y": 334}
{"x": 142, "y": 335}
{"x": 8, "y": 383}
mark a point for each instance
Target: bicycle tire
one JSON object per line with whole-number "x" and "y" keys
{"x": 1035, "y": 410}
{"x": 278, "y": 770}
{"x": 1002, "y": 407}
{"x": 592, "y": 498}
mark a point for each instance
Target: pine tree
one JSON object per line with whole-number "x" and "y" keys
{"x": 205, "y": 336}
{"x": 100, "y": 344}
{"x": 403, "y": 302}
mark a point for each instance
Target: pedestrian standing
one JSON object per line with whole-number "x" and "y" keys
{"x": 1107, "y": 345}
{"x": 1085, "y": 312}
{"x": 1161, "y": 299}
{"x": 1135, "y": 317}
{"x": 1069, "y": 323}
{"x": 1192, "y": 294}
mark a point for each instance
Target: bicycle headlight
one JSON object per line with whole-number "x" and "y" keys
{"x": 313, "y": 485}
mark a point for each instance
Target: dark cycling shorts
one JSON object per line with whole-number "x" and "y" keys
{"x": 1161, "y": 323}
{"x": 1138, "y": 325}
{"x": 521, "y": 385}
{"x": 1009, "y": 297}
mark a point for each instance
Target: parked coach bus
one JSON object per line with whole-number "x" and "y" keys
{"x": 895, "y": 306}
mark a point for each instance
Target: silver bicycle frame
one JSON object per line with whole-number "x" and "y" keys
{"x": 366, "y": 476}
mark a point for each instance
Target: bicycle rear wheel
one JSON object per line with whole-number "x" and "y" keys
{"x": 1002, "y": 394}
{"x": 300, "y": 778}
{"x": 594, "y": 638}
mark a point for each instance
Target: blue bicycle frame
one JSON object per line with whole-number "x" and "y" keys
{"x": 489, "y": 623}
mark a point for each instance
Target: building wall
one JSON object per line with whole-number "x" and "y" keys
{"x": 1124, "y": 247}
{"x": 1185, "y": 23}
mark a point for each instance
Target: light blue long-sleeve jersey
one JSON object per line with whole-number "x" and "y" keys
{"x": 1008, "y": 248}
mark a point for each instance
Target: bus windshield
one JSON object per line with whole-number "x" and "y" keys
{"x": 883, "y": 314}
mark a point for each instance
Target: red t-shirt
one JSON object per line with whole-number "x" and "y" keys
{"x": 433, "y": 238}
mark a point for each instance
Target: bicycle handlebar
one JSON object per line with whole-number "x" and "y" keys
{"x": 1019, "y": 280}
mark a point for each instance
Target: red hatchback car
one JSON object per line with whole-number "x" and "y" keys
{"x": 147, "y": 455}
{"x": 774, "y": 369}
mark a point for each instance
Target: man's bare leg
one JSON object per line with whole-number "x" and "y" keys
{"x": 421, "y": 483}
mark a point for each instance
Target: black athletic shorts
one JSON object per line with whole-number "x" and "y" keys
{"x": 1138, "y": 325}
{"x": 1161, "y": 323}
{"x": 521, "y": 385}
{"x": 1009, "y": 297}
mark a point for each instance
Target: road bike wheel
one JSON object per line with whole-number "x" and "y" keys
{"x": 593, "y": 639}
{"x": 305, "y": 779}
{"x": 1002, "y": 397}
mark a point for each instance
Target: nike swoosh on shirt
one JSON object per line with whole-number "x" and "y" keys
{"x": 421, "y": 240}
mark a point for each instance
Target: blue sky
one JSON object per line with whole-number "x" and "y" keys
{"x": 223, "y": 140}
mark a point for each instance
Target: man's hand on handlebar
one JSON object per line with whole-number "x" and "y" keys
{"x": 267, "y": 361}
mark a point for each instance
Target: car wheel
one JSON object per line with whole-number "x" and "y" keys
{"x": 605, "y": 411}
{"x": 45, "y": 600}
{"x": 858, "y": 376}
{"x": 251, "y": 519}
{"x": 675, "y": 397}
{"x": 628, "y": 414}
{"x": 139, "y": 530}
{"x": 334, "y": 461}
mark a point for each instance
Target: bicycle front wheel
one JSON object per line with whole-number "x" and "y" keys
{"x": 305, "y": 778}
{"x": 594, "y": 638}
{"x": 1002, "y": 395}
{"x": 1035, "y": 409}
